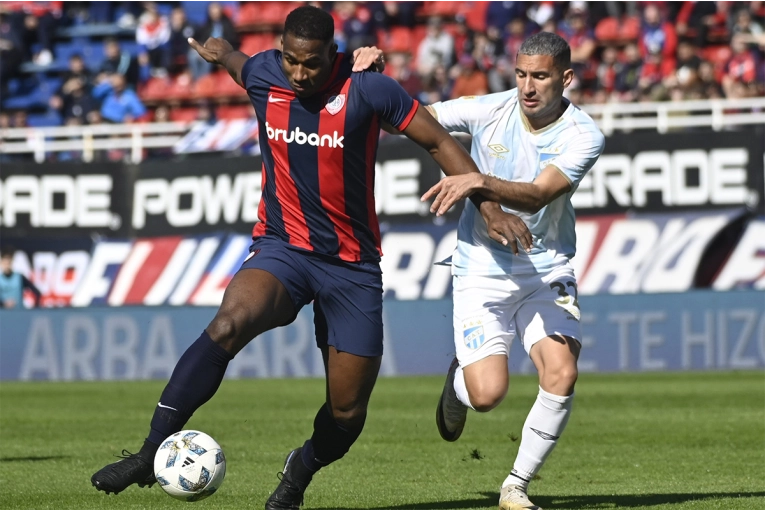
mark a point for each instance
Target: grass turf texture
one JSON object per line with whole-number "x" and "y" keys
{"x": 676, "y": 441}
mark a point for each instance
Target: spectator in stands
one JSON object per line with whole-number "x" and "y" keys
{"x": 36, "y": 22}
{"x": 658, "y": 37}
{"x": 399, "y": 68}
{"x": 715, "y": 27}
{"x": 744, "y": 25}
{"x": 690, "y": 18}
{"x": 582, "y": 41}
{"x": 20, "y": 119}
{"x": 11, "y": 53}
{"x": 119, "y": 62}
{"x": 436, "y": 86}
{"x": 354, "y": 26}
{"x": 74, "y": 100}
{"x": 471, "y": 80}
{"x": 436, "y": 49}
{"x": 177, "y": 48}
{"x": 5, "y": 121}
{"x": 487, "y": 53}
{"x": 708, "y": 86}
{"x": 153, "y": 32}
{"x": 463, "y": 38}
{"x": 398, "y": 14}
{"x": 499, "y": 14}
{"x": 13, "y": 284}
{"x": 606, "y": 73}
{"x": 741, "y": 71}
{"x": 684, "y": 79}
{"x": 217, "y": 25}
{"x": 628, "y": 74}
{"x": 120, "y": 104}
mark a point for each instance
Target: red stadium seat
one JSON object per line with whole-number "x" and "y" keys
{"x": 607, "y": 30}
{"x": 630, "y": 29}
{"x": 155, "y": 89}
{"x": 397, "y": 39}
{"x": 240, "y": 111}
{"x": 206, "y": 86}
{"x": 265, "y": 13}
{"x": 444, "y": 9}
{"x": 181, "y": 88}
{"x": 475, "y": 14}
{"x": 183, "y": 114}
{"x": 255, "y": 43}
{"x": 718, "y": 55}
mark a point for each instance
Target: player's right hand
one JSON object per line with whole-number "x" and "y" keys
{"x": 214, "y": 49}
{"x": 505, "y": 228}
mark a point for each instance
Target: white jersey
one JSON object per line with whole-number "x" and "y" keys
{"x": 505, "y": 147}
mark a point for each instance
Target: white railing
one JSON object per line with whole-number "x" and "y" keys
{"x": 91, "y": 138}
{"x": 664, "y": 116}
{"x": 627, "y": 117}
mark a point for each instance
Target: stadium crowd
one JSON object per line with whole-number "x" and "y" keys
{"x": 90, "y": 62}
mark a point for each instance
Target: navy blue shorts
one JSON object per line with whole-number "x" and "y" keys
{"x": 347, "y": 297}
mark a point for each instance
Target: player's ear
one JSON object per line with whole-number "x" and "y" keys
{"x": 568, "y": 76}
{"x": 332, "y": 50}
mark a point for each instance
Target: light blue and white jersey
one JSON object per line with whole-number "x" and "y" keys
{"x": 505, "y": 147}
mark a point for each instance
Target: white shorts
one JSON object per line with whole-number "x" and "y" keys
{"x": 489, "y": 311}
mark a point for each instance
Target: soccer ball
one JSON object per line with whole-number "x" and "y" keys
{"x": 190, "y": 465}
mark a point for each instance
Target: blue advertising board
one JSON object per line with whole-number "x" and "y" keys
{"x": 702, "y": 330}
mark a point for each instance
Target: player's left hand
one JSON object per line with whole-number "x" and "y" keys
{"x": 214, "y": 49}
{"x": 450, "y": 190}
{"x": 366, "y": 57}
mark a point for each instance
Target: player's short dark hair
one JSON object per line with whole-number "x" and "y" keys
{"x": 548, "y": 43}
{"x": 7, "y": 251}
{"x": 310, "y": 23}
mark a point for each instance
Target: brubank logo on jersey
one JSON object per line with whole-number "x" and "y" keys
{"x": 301, "y": 137}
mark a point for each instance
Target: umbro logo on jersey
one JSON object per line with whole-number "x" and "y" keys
{"x": 301, "y": 137}
{"x": 498, "y": 148}
{"x": 335, "y": 104}
{"x": 274, "y": 99}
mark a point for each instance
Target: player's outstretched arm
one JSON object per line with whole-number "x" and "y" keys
{"x": 528, "y": 197}
{"x": 452, "y": 157}
{"x": 219, "y": 51}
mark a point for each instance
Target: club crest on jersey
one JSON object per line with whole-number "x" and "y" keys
{"x": 472, "y": 333}
{"x": 548, "y": 157}
{"x": 335, "y": 104}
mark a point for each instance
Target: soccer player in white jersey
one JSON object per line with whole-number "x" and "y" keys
{"x": 533, "y": 147}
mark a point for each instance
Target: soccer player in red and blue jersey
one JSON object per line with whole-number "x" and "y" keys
{"x": 317, "y": 241}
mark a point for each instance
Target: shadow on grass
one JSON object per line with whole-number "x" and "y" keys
{"x": 35, "y": 458}
{"x": 490, "y": 500}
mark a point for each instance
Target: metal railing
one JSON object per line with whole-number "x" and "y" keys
{"x": 661, "y": 116}
{"x": 91, "y": 138}
{"x": 665, "y": 116}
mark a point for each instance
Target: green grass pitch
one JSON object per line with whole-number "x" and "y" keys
{"x": 670, "y": 441}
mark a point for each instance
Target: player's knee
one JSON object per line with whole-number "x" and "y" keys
{"x": 226, "y": 329}
{"x": 485, "y": 399}
{"x": 349, "y": 416}
{"x": 561, "y": 380}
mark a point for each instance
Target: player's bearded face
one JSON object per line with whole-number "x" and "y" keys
{"x": 307, "y": 63}
{"x": 540, "y": 87}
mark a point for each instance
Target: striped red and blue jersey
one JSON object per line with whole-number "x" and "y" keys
{"x": 319, "y": 155}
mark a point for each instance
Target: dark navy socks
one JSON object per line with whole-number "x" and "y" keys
{"x": 195, "y": 380}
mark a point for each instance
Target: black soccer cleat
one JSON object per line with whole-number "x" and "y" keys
{"x": 289, "y": 493}
{"x": 117, "y": 477}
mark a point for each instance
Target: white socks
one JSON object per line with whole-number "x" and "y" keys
{"x": 543, "y": 427}
{"x": 460, "y": 388}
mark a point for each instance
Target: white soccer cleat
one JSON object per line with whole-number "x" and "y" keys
{"x": 513, "y": 497}
{"x": 451, "y": 414}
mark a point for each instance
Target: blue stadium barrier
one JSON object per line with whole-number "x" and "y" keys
{"x": 702, "y": 330}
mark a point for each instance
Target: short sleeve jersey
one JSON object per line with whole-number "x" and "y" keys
{"x": 319, "y": 155}
{"x": 505, "y": 147}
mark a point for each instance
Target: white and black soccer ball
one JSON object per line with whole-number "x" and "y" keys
{"x": 190, "y": 465}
